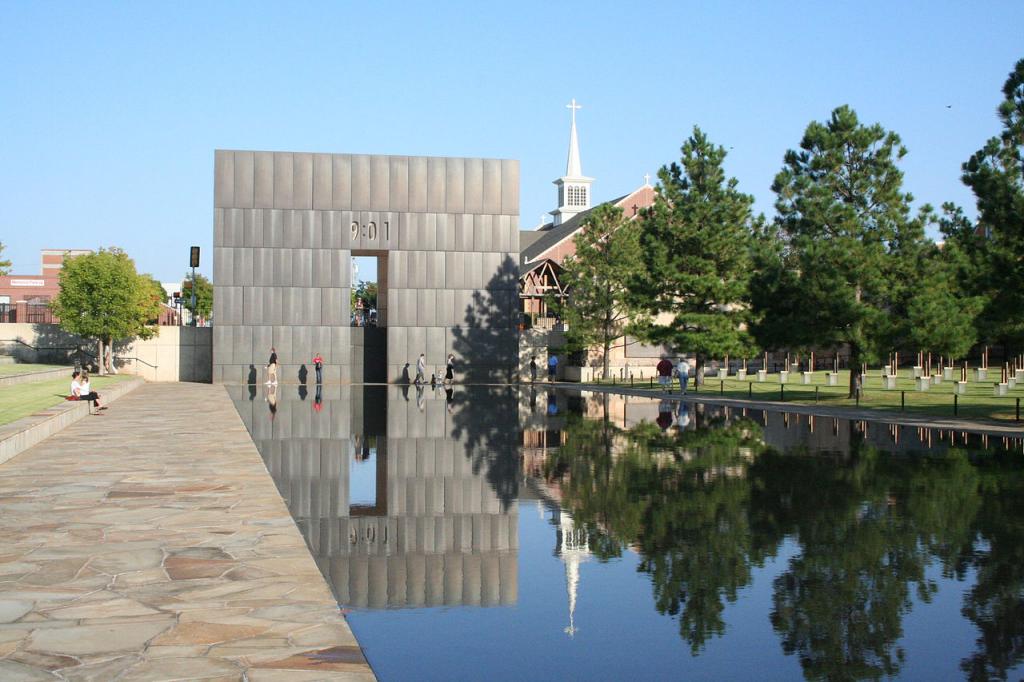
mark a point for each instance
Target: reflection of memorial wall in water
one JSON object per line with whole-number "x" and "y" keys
{"x": 439, "y": 533}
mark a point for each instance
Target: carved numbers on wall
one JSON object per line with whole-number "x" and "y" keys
{"x": 369, "y": 230}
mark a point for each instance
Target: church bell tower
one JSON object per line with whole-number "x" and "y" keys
{"x": 573, "y": 187}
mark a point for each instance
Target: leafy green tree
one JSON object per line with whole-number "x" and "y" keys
{"x": 995, "y": 174}
{"x": 204, "y": 295}
{"x": 847, "y": 244}
{"x": 597, "y": 278}
{"x": 366, "y": 291}
{"x": 5, "y": 265}
{"x": 696, "y": 244}
{"x": 103, "y": 297}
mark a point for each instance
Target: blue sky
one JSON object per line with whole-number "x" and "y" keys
{"x": 109, "y": 113}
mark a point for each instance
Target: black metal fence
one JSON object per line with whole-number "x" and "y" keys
{"x": 35, "y": 313}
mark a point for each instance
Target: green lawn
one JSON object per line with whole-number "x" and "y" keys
{"x": 28, "y": 368}
{"x": 978, "y": 402}
{"x": 24, "y": 399}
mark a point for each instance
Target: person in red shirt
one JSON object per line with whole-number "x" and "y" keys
{"x": 665, "y": 373}
{"x": 318, "y": 364}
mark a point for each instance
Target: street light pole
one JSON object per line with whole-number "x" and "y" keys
{"x": 193, "y": 260}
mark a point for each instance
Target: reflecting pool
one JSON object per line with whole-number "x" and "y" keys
{"x": 505, "y": 533}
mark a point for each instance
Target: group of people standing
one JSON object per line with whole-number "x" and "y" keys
{"x": 421, "y": 371}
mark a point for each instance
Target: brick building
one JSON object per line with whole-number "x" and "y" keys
{"x": 26, "y": 298}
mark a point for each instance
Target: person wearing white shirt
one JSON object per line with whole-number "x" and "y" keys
{"x": 85, "y": 391}
{"x": 683, "y": 370}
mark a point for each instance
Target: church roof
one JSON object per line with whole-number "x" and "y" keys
{"x": 549, "y": 236}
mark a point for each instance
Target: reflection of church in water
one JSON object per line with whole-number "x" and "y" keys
{"x": 401, "y": 501}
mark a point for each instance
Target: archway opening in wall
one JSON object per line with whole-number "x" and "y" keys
{"x": 369, "y": 316}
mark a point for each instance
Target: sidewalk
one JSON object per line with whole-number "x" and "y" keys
{"x": 152, "y": 544}
{"x": 888, "y": 417}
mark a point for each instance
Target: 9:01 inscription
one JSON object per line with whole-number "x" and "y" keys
{"x": 369, "y": 230}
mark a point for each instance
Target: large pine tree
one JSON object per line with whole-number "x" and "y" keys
{"x": 842, "y": 270}
{"x": 696, "y": 242}
{"x": 995, "y": 173}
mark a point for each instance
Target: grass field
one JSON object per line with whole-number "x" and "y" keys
{"x": 24, "y": 399}
{"x": 27, "y": 368}
{"x": 978, "y": 403}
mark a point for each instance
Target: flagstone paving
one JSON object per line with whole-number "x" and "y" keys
{"x": 152, "y": 545}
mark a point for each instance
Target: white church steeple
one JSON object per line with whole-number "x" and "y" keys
{"x": 573, "y": 187}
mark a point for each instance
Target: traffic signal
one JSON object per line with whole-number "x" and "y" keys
{"x": 194, "y": 257}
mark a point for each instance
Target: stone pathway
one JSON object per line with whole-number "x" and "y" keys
{"x": 152, "y": 545}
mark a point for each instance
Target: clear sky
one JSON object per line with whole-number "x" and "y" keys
{"x": 109, "y": 113}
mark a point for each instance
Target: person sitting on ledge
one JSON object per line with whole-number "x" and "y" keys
{"x": 81, "y": 389}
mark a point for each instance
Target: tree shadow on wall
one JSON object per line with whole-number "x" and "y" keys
{"x": 486, "y": 344}
{"x": 486, "y": 417}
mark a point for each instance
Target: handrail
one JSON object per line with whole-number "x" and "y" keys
{"x": 136, "y": 359}
{"x": 77, "y": 349}
{"x": 29, "y": 345}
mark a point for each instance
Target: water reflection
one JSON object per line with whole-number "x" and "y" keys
{"x": 704, "y": 501}
{"x": 403, "y": 500}
{"x": 410, "y": 497}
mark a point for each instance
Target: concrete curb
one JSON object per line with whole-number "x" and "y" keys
{"x": 32, "y": 377}
{"x": 883, "y": 416}
{"x": 19, "y": 436}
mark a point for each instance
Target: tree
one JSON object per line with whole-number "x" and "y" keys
{"x": 102, "y": 297}
{"x": 941, "y": 318}
{"x": 204, "y": 296}
{"x": 5, "y": 265}
{"x": 366, "y": 291}
{"x": 696, "y": 243}
{"x": 597, "y": 278}
{"x": 847, "y": 244}
{"x": 995, "y": 174}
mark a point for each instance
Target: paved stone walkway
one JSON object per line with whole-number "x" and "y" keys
{"x": 152, "y": 545}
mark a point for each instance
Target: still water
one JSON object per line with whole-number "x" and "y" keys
{"x": 510, "y": 534}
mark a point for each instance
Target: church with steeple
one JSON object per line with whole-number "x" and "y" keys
{"x": 543, "y": 249}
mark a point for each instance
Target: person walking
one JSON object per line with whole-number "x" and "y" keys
{"x": 665, "y": 373}
{"x": 552, "y": 367}
{"x": 272, "y": 368}
{"x": 533, "y": 369}
{"x": 683, "y": 370}
{"x": 421, "y": 369}
{"x": 318, "y": 365}
{"x": 449, "y": 370}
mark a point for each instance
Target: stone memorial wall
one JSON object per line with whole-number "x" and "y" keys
{"x": 286, "y": 225}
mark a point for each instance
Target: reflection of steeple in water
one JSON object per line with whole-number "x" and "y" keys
{"x": 573, "y": 548}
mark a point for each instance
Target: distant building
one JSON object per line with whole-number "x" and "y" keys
{"x": 26, "y": 298}
{"x": 544, "y": 249}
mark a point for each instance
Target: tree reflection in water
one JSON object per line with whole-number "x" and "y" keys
{"x": 704, "y": 506}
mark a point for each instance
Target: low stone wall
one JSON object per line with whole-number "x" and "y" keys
{"x": 32, "y": 377}
{"x": 19, "y": 436}
{"x": 174, "y": 354}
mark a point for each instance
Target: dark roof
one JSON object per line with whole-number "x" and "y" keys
{"x": 527, "y": 237}
{"x": 549, "y": 235}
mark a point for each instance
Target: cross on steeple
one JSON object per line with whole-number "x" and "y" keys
{"x": 647, "y": 179}
{"x": 572, "y": 105}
